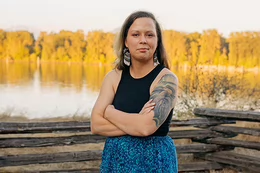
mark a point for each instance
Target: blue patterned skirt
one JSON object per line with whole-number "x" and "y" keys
{"x": 129, "y": 154}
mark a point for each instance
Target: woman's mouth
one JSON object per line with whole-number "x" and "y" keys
{"x": 143, "y": 50}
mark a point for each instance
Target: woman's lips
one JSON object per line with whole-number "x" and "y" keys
{"x": 143, "y": 49}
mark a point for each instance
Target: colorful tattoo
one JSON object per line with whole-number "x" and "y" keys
{"x": 164, "y": 96}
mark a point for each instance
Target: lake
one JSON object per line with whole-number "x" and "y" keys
{"x": 50, "y": 90}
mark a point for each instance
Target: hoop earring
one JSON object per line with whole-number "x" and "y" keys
{"x": 127, "y": 57}
{"x": 155, "y": 59}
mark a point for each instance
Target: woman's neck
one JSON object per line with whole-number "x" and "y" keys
{"x": 139, "y": 70}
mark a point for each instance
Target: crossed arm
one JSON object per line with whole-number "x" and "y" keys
{"x": 164, "y": 96}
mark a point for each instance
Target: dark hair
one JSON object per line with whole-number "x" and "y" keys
{"x": 120, "y": 42}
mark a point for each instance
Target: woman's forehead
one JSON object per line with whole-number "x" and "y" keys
{"x": 143, "y": 24}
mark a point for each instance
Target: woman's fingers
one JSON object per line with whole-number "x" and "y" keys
{"x": 149, "y": 104}
{"x": 148, "y": 107}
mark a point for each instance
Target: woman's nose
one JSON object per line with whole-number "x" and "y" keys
{"x": 143, "y": 39}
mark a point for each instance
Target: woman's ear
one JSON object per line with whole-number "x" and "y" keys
{"x": 126, "y": 45}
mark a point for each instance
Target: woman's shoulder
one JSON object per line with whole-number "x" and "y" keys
{"x": 165, "y": 76}
{"x": 167, "y": 73}
{"x": 114, "y": 74}
{"x": 113, "y": 77}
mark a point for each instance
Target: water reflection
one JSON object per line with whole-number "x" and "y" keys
{"x": 49, "y": 90}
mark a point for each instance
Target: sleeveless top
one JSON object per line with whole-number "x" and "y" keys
{"x": 132, "y": 94}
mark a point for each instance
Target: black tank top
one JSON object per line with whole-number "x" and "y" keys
{"x": 132, "y": 94}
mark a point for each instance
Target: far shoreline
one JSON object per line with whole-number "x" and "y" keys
{"x": 186, "y": 66}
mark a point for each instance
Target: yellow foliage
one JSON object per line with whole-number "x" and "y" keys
{"x": 192, "y": 49}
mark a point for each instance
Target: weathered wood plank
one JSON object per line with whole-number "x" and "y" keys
{"x": 189, "y": 148}
{"x": 228, "y": 114}
{"x": 75, "y": 126}
{"x": 230, "y": 158}
{"x": 49, "y": 141}
{"x": 89, "y": 138}
{"x": 84, "y": 156}
{"x": 194, "y": 134}
{"x": 235, "y": 143}
{"x": 199, "y": 166}
{"x": 201, "y": 122}
{"x": 45, "y": 127}
{"x": 197, "y": 148}
{"x": 236, "y": 130}
{"x": 89, "y": 170}
{"x": 50, "y": 158}
{"x": 183, "y": 167}
{"x": 93, "y": 170}
{"x": 98, "y": 171}
{"x": 89, "y": 155}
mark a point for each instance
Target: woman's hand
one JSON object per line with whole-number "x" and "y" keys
{"x": 148, "y": 107}
{"x": 108, "y": 110}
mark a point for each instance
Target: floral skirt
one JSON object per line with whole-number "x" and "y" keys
{"x": 129, "y": 154}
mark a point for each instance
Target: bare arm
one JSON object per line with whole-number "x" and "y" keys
{"x": 99, "y": 125}
{"x": 164, "y": 96}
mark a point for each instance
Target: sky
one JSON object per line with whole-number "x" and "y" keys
{"x": 108, "y": 15}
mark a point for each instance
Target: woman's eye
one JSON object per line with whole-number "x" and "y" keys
{"x": 150, "y": 35}
{"x": 135, "y": 35}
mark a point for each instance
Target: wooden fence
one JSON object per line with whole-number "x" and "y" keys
{"x": 212, "y": 134}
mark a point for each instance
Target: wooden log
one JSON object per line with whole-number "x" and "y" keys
{"x": 230, "y": 158}
{"x": 236, "y": 130}
{"x": 197, "y": 148}
{"x": 88, "y": 170}
{"x": 50, "y": 158}
{"x": 235, "y": 143}
{"x": 194, "y": 134}
{"x": 28, "y": 159}
{"x": 200, "y": 122}
{"x": 220, "y": 147}
{"x": 75, "y": 126}
{"x": 49, "y": 141}
{"x": 199, "y": 166}
{"x": 88, "y": 138}
{"x": 46, "y": 127}
{"x": 228, "y": 114}
{"x": 182, "y": 168}
{"x": 93, "y": 170}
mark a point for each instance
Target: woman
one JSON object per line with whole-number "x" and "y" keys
{"x": 136, "y": 101}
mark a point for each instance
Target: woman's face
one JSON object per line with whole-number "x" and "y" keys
{"x": 142, "y": 39}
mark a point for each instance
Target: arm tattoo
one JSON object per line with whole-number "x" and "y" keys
{"x": 164, "y": 96}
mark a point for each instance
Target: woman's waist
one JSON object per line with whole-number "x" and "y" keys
{"x": 143, "y": 139}
{"x": 132, "y": 142}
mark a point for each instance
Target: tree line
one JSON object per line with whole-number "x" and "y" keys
{"x": 193, "y": 49}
